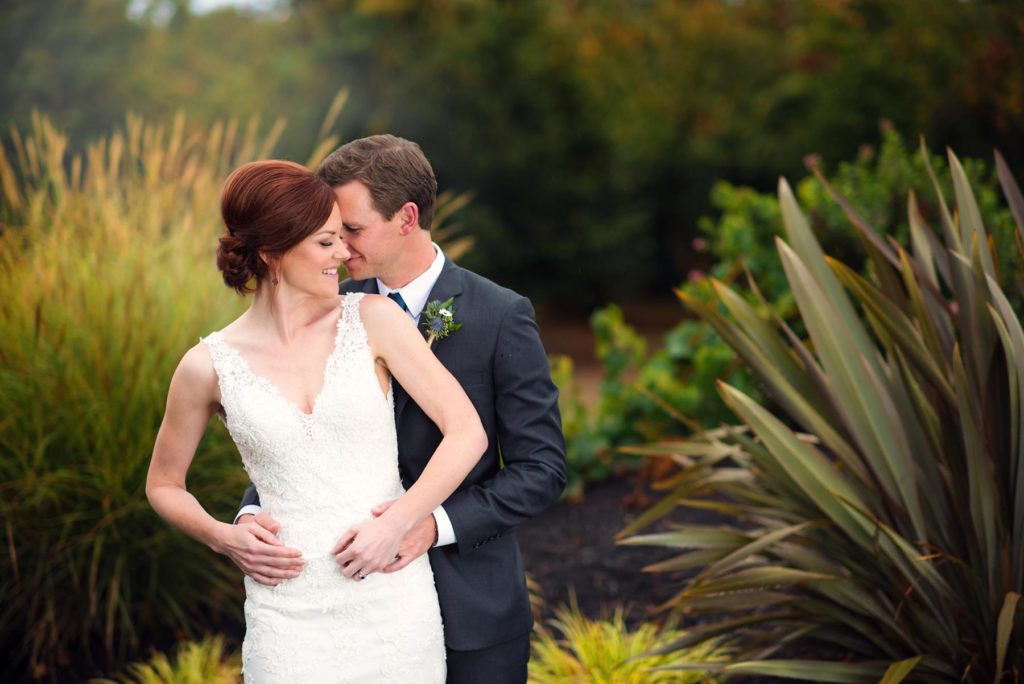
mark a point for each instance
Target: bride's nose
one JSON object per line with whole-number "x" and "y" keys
{"x": 341, "y": 251}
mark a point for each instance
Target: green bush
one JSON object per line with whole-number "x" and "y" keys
{"x": 672, "y": 391}
{"x": 585, "y": 651}
{"x": 876, "y": 505}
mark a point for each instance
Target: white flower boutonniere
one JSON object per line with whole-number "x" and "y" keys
{"x": 439, "y": 320}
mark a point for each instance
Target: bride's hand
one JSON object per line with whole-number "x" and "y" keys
{"x": 367, "y": 547}
{"x": 254, "y": 547}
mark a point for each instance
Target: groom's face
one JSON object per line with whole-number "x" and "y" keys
{"x": 374, "y": 242}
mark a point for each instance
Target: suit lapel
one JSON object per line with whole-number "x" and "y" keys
{"x": 448, "y": 284}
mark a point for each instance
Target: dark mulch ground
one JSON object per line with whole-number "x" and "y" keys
{"x": 570, "y": 549}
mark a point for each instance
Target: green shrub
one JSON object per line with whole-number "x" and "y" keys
{"x": 607, "y": 652}
{"x": 877, "y": 504}
{"x": 197, "y": 662}
{"x": 672, "y": 391}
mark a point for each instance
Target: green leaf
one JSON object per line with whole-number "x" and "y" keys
{"x": 898, "y": 671}
{"x": 809, "y": 670}
{"x": 1004, "y": 629}
{"x": 972, "y": 229}
{"x": 755, "y": 578}
{"x": 815, "y": 475}
{"x": 690, "y": 537}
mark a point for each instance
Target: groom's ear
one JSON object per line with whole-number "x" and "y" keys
{"x": 409, "y": 213}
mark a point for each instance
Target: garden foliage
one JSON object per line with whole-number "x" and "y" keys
{"x": 672, "y": 391}
{"x": 196, "y": 662}
{"x": 579, "y": 650}
{"x": 875, "y": 495}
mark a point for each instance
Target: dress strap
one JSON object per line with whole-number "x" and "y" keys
{"x": 227, "y": 363}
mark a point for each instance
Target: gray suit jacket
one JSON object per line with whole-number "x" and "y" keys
{"x": 498, "y": 359}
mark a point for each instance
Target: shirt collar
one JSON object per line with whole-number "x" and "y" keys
{"x": 416, "y": 291}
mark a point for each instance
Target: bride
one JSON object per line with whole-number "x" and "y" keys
{"x": 302, "y": 380}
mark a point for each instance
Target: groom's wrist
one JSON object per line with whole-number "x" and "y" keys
{"x": 443, "y": 527}
{"x": 250, "y": 509}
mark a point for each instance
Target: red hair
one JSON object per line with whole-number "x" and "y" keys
{"x": 268, "y": 207}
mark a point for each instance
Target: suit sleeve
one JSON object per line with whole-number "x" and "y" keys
{"x": 250, "y": 498}
{"x": 529, "y": 431}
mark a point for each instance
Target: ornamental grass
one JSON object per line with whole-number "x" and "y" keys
{"x": 107, "y": 277}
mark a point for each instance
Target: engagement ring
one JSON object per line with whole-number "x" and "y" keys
{"x": 360, "y": 575}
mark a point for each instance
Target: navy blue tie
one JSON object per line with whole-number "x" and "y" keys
{"x": 397, "y": 298}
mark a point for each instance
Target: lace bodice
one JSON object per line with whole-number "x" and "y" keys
{"x": 316, "y": 473}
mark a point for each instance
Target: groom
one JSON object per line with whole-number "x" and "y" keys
{"x": 386, "y": 190}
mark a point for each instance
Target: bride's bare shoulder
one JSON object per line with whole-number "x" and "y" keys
{"x": 377, "y": 309}
{"x": 195, "y": 371}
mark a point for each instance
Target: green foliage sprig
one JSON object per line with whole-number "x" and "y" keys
{"x": 438, "y": 319}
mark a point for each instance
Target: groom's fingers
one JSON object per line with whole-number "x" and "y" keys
{"x": 263, "y": 534}
{"x": 343, "y": 543}
{"x": 398, "y": 564}
{"x": 264, "y": 520}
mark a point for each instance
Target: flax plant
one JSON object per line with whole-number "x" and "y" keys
{"x": 107, "y": 277}
{"x": 876, "y": 505}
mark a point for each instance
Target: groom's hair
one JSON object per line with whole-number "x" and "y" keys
{"x": 393, "y": 169}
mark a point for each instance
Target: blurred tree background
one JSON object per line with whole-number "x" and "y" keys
{"x": 589, "y": 132}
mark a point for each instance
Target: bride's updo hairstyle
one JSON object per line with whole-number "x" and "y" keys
{"x": 268, "y": 207}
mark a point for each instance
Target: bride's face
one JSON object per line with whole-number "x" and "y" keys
{"x": 312, "y": 265}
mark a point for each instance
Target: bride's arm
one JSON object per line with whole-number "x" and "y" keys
{"x": 397, "y": 343}
{"x": 191, "y": 402}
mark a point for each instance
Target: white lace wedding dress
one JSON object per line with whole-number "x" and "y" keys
{"x": 317, "y": 474}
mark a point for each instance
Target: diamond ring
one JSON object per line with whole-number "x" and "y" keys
{"x": 360, "y": 575}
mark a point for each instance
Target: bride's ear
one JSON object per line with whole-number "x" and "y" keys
{"x": 273, "y": 264}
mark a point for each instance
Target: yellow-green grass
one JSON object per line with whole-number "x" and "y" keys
{"x": 106, "y": 278}
{"x": 196, "y": 662}
{"x": 579, "y": 650}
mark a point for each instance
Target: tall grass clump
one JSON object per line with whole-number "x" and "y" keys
{"x": 875, "y": 497}
{"x": 106, "y": 278}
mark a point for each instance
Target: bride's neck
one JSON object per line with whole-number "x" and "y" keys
{"x": 283, "y": 313}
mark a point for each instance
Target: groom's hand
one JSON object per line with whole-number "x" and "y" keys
{"x": 252, "y": 544}
{"x": 415, "y": 543}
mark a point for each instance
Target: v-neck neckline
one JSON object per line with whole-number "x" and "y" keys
{"x": 269, "y": 385}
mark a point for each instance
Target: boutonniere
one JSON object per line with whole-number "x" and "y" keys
{"x": 439, "y": 320}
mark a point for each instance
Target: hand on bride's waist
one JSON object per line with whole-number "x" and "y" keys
{"x": 368, "y": 546}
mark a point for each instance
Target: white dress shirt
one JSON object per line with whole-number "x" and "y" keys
{"x": 415, "y": 294}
